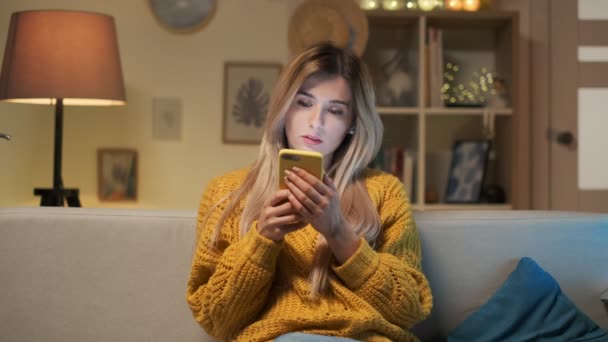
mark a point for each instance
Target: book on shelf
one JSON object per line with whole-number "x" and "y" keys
{"x": 400, "y": 162}
{"x": 435, "y": 70}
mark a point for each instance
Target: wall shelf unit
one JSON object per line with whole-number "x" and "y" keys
{"x": 400, "y": 60}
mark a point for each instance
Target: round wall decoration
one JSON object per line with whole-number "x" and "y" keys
{"x": 183, "y": 16}
{"x": 341, "y": 21}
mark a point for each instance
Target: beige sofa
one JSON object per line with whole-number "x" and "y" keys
{"x": 71, "y": 274}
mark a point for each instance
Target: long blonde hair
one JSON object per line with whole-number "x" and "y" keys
{"x": 348, "y": 162}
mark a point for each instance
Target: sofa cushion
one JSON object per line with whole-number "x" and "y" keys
{"x": 529, "y": 306}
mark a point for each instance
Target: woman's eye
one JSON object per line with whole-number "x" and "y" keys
{"x": 336, "y": 111}
{"x": 304, "y": 103}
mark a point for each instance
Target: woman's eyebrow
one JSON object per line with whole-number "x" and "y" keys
{"x": 307, "y": 94}
{"x": 302, "y": 92}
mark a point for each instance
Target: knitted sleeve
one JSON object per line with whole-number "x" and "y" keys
{"x": 228, "y": 284}
{"x": 389, "y": 278}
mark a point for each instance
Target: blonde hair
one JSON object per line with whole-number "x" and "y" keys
{"x": 348, "y": 162}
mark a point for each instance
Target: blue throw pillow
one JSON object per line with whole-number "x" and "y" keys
{"x": 529, "y": 306}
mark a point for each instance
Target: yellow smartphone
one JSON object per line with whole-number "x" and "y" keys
{"x": 310, "y": 161}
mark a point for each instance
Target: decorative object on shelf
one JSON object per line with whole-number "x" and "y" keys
{"x": 75, "y": 62}
{"x": 431, "y": 195}
{"x": 427, "y": 5}
{"x": 342, "y": 22}
{"x": 470, "y": 93}
{"x": 453, "y": 5}
{"x": 117, "y": 174}
{"x": 369, "y": 4}
{"x": 471, "y": 5}
{"x": 247, "y": 88}
{"x": 392, "y": 72}
{"x": 493, "y": 194}
{"x": 498, "y": 94}
{"x": 393, "y": 5}
{"x": 183, "y": 16}
{"x": 467, "y": 171}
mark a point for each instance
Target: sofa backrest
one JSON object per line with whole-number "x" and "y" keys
{"x": 467, "y": 255}
{"x": 73, "y": 274}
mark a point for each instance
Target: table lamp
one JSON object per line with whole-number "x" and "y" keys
{"x": 59, "y": 58}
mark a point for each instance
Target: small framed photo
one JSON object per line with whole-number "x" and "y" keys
{"x": 117, "y": 174}
{"x": 247, "y": 88}
{"x": 467, "y": 171}
{"x": 167, "y": 118}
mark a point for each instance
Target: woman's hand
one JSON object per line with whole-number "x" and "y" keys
{"x": 278, "y": 217}
{"x": 318, "y": 203}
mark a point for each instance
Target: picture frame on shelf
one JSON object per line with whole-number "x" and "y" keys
{"x": 247, "y": 89}
{"x": 117, "y": 174}
{"x": 467, "y": 171}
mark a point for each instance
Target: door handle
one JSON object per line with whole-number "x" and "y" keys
{"x": 565, "y": 138}
{"x": 5, "y": 136}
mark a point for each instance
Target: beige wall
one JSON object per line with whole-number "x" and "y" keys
{"x": 155, "y": 63}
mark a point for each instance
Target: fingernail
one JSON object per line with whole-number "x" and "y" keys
{"x": 296, "y": 169}
{"x": 287, "y": 172}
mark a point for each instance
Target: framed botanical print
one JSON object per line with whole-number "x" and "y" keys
{"x": 247, "y": 89}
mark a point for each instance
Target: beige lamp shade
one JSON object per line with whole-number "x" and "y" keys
{"x": 65, "y": 55}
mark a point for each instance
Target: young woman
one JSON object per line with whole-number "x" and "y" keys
{"x": 338, "y": 256}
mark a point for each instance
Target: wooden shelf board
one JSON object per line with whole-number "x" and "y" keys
{"x": 398, "y": 110}
{"x": 467, "y": 111}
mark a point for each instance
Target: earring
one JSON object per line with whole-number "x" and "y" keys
{"x": 352, "y": 131}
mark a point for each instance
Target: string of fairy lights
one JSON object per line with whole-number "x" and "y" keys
{"x": 424, "y": 5}
{"x": 474, "y": 91}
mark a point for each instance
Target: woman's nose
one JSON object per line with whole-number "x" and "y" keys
{"x": 316, "y": 117}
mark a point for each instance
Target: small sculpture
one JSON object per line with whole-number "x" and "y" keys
{"x": 498, "y": 97}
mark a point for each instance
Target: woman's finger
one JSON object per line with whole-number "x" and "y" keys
{"x": 281, "y": 210}
{"x": 311, "y": 180}
{"x": 285, "y": 220}
{"x": 299, "y": 201}
{"x": 304, "y": 186}
{"x": 288, "y": 228}
{"x": 277, "y": 198}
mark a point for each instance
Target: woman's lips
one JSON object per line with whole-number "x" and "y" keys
{"x": 311, "y": 140}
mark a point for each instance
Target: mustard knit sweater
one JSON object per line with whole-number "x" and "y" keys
{"x": 254, "y": 289}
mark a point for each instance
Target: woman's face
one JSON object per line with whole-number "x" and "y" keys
{"x": 320, "y": 116}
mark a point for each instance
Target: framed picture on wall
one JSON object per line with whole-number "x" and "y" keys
{"x": 467, "y": 171}
{"x": 117, "y": 174}
{"x": 247, "y": 88}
